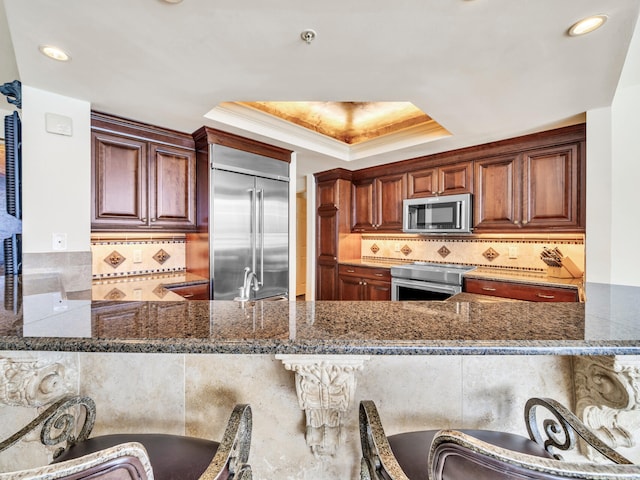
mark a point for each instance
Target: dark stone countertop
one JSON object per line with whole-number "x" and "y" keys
{"x": 607, "y": 324}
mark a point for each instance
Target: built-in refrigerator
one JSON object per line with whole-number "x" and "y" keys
{"x": 249, "y": 225}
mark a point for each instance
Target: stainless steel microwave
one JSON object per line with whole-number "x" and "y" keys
{"x": 440, "y": 214}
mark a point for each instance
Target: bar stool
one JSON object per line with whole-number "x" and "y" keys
{"x": 134, "y": 456}
{"x": 485, "y": 454}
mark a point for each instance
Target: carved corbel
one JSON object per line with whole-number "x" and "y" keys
{"x": 608, "y": 398}
{"x": 32, "y": 383}
{"x": 325, "y": 385}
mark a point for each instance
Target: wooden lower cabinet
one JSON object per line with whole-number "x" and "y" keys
{"x": 364, "y": 283}
{"x": 520, "y": 291}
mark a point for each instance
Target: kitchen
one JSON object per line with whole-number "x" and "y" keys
{"x": 609, "y": 242}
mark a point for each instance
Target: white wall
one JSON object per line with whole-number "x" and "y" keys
{"x": 56, "y": 173}
{"x": 598, "y": 234}
{"x": 613, "y": 170}
{"x": 625, "y": 174}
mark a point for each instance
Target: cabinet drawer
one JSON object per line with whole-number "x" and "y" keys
{"x": 365, "y": 272}
{"x": 519, "y": 291}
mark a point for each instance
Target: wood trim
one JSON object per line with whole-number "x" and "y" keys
{"x": 548, "y": 138}
{"x": 334, "y": 174}
{"x": 103, "y": 122}
{"x": 206, "y": 136}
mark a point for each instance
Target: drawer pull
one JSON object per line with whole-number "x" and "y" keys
{"x": 379, "y": 274}
{"x": 545, "y": 296}
{"x": 350, "y": 271}
{"x": 488, "y": 289}
{"x": 187, "y": 295}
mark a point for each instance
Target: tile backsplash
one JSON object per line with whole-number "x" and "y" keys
{"x": 117, "y": 256}
{"x": 521, "y": 253}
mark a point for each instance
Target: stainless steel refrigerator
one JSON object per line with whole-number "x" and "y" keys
{"x": 249, "y": 228}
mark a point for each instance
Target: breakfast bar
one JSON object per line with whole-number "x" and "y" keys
{"x": 338, "y": 351}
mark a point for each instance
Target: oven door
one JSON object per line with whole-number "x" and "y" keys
{"x": 405, "y": 289}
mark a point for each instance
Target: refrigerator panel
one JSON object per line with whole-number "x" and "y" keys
{"x": 232, "y": 226}
{"x": 272, "y": 249}
{"x": 231, "y": 159}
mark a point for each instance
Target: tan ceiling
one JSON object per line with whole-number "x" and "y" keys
{"x": 347, "y": 122}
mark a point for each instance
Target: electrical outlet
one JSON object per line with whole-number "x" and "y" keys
{"x": 397, "y": 247}
{"x": 59, "y": 241}
{"x": 137, "y": 256}
{"x": 137, "y": 294}
{"x": 513, "y": 251}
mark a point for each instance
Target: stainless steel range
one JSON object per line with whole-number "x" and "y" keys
{"x": 426, "y": 281}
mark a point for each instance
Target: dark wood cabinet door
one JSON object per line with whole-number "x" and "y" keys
{"x": 422, "y": 183}
{"x": 327, "y": 250}
{"x": 389, "y": 191}
{"x": 362, "y": 215}
{"x": 327, "y": 233}
{"x": 326, "y": 280}
{"x": 120, "y": 191}
{"x": 172, "y": 181}
{"x": 497, "y": 193}
{"x": 349, "y": 288}
{"x": 550, "y": 188}
{"x": 377, "y": 290}
{"x": 443, "y": 180}
{"x": 456, "y": 178}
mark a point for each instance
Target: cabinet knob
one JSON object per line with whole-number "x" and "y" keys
{"x": 359, "y": 283}
{"x": 153, "y": 219}
{"x": 516, "y": 222}
{"x": 524, "y": 222}
{"x": 144, "y": 219}
{"x": 364, "y": 283}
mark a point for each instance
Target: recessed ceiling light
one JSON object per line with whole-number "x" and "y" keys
{"x": 54, "y": 52}
{"x": 587, "y": 25}
{"x": 173, "y": 1}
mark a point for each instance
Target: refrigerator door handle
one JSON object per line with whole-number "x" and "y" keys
{"x": 253, "y": 227}
{"x": 260, "y": 195}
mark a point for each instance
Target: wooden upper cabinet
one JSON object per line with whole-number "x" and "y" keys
{"x": 390, "y": 190}
{"x": 496, "y": 202}
{"x": 536, "y": 190}
{"x": 143, "y": 177}
{"x": 172, "y": 181}
{"x": 443, "y": 180}
{"x": 377, "y": 203}
{"x": 363, "y": 206}
{"x": 119, "y": 181}
{"x": 551, "y": 187}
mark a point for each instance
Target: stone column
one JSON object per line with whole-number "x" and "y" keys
{"x": 325, "y": 385}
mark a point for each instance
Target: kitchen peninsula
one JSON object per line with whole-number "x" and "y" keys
{"x": 222, "y": 345}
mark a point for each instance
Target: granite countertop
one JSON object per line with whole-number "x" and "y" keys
{"x": 522, "y": 276}
{"x": 152, "y": 287}
{"x": 489, "y": 273}
{"x": 607, "y": 324}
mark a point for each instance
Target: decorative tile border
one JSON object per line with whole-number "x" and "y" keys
{"x": 134, "y": 255}
{"x": 518, "y": 253}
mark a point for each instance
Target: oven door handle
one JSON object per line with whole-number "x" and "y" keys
{"x": 421, "y": 285}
